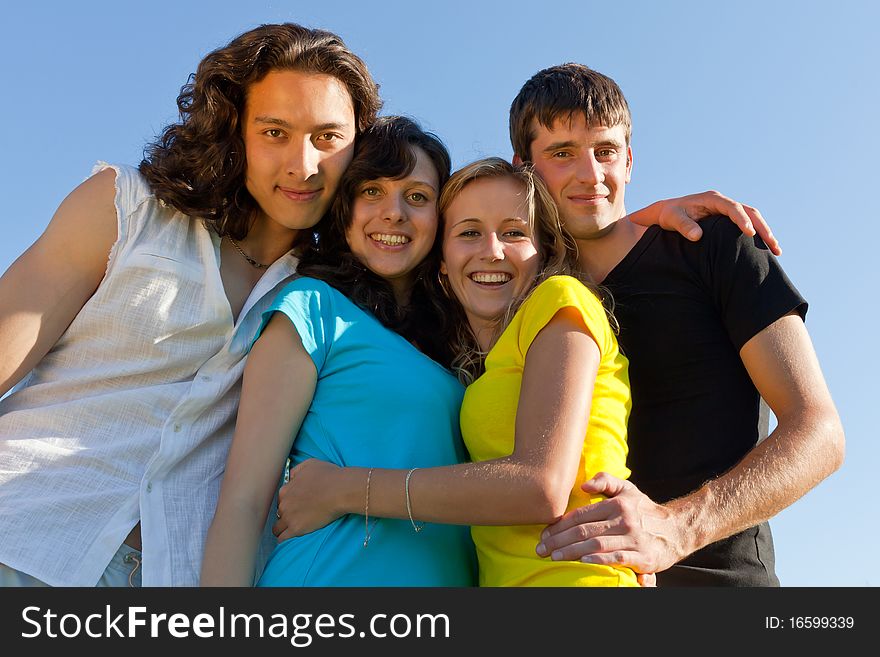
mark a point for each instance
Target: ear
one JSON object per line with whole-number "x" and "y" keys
{"x": 629, "y": 163}
{"x": 517, "y": 160}
{"x": 443, "y": 269}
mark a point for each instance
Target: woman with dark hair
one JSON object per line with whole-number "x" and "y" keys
{"x": 132, "y": 313}
{"x": 335, "y": 374}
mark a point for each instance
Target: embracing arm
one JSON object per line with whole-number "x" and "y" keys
{"x": 277, "y": 389}
{"x": 45, "y": 288}
{"x": 681, "y": 214}
{"x": 806, "y": 446}
{"x": 532, "y": 485}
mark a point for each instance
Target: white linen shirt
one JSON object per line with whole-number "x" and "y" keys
{"x": 129, "y": 417}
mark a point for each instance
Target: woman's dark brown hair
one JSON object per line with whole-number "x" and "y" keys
{"x": 385, "y": 150}
{"x": 198, "y": 164}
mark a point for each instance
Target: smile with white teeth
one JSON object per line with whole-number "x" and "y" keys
{"x": 390, "y": 240}
{"x": 490, "y": 277}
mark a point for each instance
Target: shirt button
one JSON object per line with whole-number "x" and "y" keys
{"x": 205, "y": 377}
{"x": 176, "y": 428}
{"x": 149, "y": 487}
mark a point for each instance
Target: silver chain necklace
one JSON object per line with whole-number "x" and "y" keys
{"x": 251, "y": 261}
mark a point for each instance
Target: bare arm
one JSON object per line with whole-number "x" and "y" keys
{"x": 681, "y": 214}
{"x": 532, "y": 485}
{"x": 806, "y": 446}
{"x": 277, "y": 389}
{"x": 45, "y": 288}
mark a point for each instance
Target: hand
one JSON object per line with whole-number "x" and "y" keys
{"x": 681, "y": 214}
{"x": 305, "y": 504}
{"x": 647, "y": 580}
{"x": 626, "y": 529}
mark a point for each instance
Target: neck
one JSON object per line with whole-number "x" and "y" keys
{"x": 402, "y": 289}
{"x": 597, "y": 256}
{"x": 483, "y": 331}
{"x": 266, "y": 243}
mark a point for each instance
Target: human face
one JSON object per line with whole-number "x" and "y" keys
{"x": 586, "y": 169}
{"x": 394, "y": 223}
{"x": 489, "y": 252}
{"x": 299, "y": 131}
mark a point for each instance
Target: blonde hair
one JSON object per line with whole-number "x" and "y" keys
{"x": 557, "y": 251}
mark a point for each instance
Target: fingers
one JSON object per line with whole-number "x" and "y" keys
{"x": 608, "y": 550}
{"x": 561, "y": 531}
{"x": 681, "y": 222}
{"x": 673, "y": 215}
{"x": 717, "y": 203}
{"x": 628, "y": 558}
{"x": 749, "y": 219}
{"x": 572, "y": 527}
{"x": 763, "y": 230}
{"x": 278, "y": 527}
{"x": 283, "y": 536}
{"x": 605, "y": 484}
{"x": 574, "y": 542}
{"x": 647, "y": 579}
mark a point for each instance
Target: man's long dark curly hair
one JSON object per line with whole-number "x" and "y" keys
{"x": 385, "y": 150}
{"x": 198, "y": 165}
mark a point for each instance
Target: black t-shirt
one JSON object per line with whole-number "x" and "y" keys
{"x": 685, "y": 310}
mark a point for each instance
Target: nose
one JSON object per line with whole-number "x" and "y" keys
{"x": 493, "y": 249}
{"x": 589, "y": 170}
{"x": 303, "y": 160}
{"x": 393, "y": 209}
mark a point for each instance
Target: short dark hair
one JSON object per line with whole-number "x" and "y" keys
{"x": 198, "y": 164}
{"x": 385, "y": 150}
{"x": 559, "y": 92}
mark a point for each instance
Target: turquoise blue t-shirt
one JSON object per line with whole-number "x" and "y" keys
{"x": 379, "y": 402}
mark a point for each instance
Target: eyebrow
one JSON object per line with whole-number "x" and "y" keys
{"x": 556, "y": 145}
{"x": 412, "y": 181}
{"x": 570, "y": 143}
{"x": 518, "y": 220}
{"x": 272, "y": 120}
{"x": 464, "y": 221}
{"x": 430, "y": 186}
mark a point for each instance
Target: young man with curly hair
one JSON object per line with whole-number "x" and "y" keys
{"x": 126, "y": 324}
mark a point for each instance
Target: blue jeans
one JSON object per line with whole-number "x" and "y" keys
{"x": 124, "y": 569}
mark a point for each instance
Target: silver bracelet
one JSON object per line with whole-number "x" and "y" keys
{"x": 416, "y": 527}
{"x": 367, "y": 510}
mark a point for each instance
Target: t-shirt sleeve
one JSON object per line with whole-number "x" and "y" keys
{"x": 309, "y": 306}
{"x": 749, "y": 286}
{"x": 551, "y": 296}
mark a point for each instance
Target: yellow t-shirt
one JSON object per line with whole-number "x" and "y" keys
{"x": 488, "y": 419}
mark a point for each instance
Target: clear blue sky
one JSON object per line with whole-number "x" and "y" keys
{"x": 773, "y": 103}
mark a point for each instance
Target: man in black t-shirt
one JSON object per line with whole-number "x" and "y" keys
{"x": 710, "y": 327}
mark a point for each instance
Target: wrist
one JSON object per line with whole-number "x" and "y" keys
{"x": 691, "y": 529}
{"x": 350, "y": 485}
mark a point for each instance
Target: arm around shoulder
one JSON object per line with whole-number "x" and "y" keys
{"x": 45, "y": 288}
